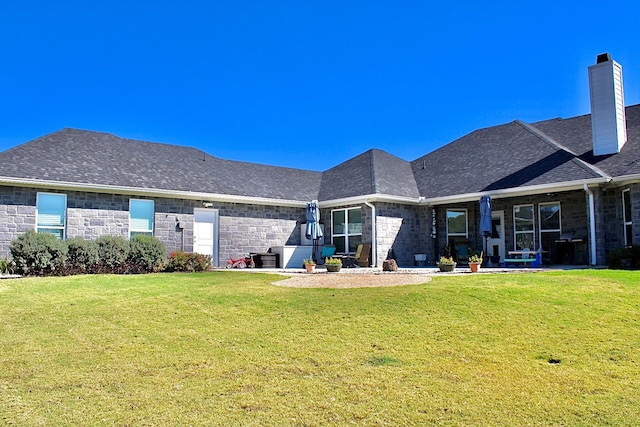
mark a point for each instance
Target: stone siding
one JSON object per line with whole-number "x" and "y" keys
{"x": 399, "y": 227}
{"x": 243, "y": 228}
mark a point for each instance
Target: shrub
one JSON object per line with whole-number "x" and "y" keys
{"x": 113, "y": 252}
{"x": 82, "y": 255}
{"x": 7, "y": 266}
{"x": 147, "y": 253}
{"x": 188, "y": 262}
{"x": 40, "y": 254}
{"x": 627, "y": 258}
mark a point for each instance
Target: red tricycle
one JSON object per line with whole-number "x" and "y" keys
{"x": 242, "y": 262}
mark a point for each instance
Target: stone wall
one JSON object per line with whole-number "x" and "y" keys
{"x": 400, "y": 227}
{"x": 611, "y": 231}
{"x": 243, "y": 228}
{"x": 17, "y": 214}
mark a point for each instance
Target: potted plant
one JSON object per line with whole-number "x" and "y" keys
{"x": 333, "y": 264}
{"x": 475, "y": 261}
{"x": 309, "y": 265}
{"x": 446, "y": 264}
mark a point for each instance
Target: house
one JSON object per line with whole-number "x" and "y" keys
{"x": 570, "y": 187}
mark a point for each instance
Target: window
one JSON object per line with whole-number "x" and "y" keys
{"x": 626, "y": 217}
{"x": 549, "y": 217}
{"x": 457, "y": 222}
{"x": 346, "y": 229}
{"x": 51, "y": 210}
{"x": 140, "y": 217}
{"x": 550, "y": 225}
{"x": 523, "y": 226}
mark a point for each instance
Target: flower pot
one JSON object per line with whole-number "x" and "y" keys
{"x": 447, "y": 267}
{"x": 310, "y": 268}
{"x": 474, "y": 266}
{"x": 333, "y": 268}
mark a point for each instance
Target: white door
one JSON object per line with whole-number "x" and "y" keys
{"x": 205, "y": 233}
{"x": 495, "y": 243}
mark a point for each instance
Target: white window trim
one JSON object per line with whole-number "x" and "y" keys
{"x": 550, "y": 230}
{"x": 134, "y": 230}
{"x": 466, "y": 223}
{"x": 346, "y": 226}
{"x": 64, "y": 220}
{"x": 532, "y": 232}
{"x": 626, "y": 221}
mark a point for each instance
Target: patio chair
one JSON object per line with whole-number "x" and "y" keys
{"x": 361, "y": 258}
{"x": 461, "y": 251}
{"x": 365, "y": 252}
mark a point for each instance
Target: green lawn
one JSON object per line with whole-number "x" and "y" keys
{"x": 230, "y": 349}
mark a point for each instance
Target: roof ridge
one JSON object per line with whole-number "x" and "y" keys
{"x": 372, "y": 168}
{"x": 556, "y": 145}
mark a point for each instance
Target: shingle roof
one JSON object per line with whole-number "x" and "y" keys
{"x": 575, "y": 134}
{"x": 372, "y": 172}
{"x": 517, "y": 154}
{"x": 86, "y": 157}
{"x": 500, "y": 157}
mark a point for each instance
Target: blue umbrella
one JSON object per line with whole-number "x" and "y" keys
{"x": 485, "y": 219}
{"x": 313, "y": 231}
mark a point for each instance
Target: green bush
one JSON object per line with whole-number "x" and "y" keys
{"x": 38, "y": 254}
{"x": 82, "y": 255}
{"x": 627, "y": 258}
{"x": 147, "y": 253}
{"x": 7, "y": 266}
{"x": 113, "y": 252}
{"x": 188, "y": 262}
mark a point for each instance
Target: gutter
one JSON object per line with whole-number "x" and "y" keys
{"x": 371, "y": 198}
{"x": 518, "y": 191}
{"x": 592, "y": 225}
{"x": 374, "y": 244}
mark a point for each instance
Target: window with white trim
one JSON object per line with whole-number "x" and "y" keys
{"x": 346, "y": 229}
{"x": 550, "y": 225}
{"x": 549, "y": 215}
{"x": 626, "y": 217}
{"x": 51, "y": 213}
{"x": 523, "y": 226}
{"x": 457, "y": 224}
{"x": 141, "y": 217}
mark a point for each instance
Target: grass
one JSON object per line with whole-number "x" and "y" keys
{"x": 229, "y": 349}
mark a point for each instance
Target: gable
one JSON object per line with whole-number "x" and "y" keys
{"x": 496, "y": 158}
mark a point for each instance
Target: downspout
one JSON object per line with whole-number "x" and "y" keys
{"x": 592, "y": 225}
{"x": 374, "y": 243}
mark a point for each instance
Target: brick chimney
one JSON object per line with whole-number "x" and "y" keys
{"x": 608, "y": 123}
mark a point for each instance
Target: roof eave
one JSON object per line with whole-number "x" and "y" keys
{"x": 517, "y": 192}
{"x": 150, "y": 192}
{"x": 626, "y": 179}
{"x": 371, "y": 198}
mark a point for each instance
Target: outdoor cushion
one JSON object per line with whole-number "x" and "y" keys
{"x": 328, "y": 251}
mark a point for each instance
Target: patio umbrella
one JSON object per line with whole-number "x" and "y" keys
{"x": 485, "y": 219}
{"x": 313, "y": 231}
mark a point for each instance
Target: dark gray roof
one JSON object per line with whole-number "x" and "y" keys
{"x": 575, "y": 134}
{"x": 372, "y": 172}
{"x": 496, "y": 158}
{"x": 86, "y": 157}
{"x": 507, "y": 156}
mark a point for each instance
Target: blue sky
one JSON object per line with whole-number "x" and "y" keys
{"x": 266, "y": 81}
